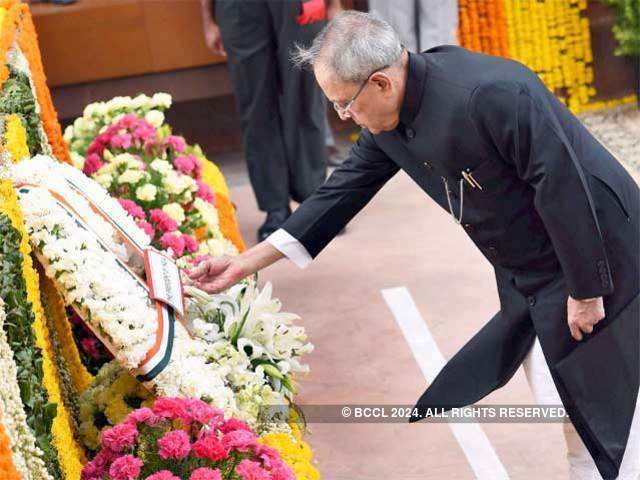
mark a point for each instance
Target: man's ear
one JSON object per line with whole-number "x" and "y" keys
{"x": 381, "y": 81}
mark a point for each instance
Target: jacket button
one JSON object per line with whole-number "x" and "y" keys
{"x": 410, "y": 133}
{"x": 531, "y": 300}
{"x": 428, "y": 165}
{"x": 468, "y": 226}
{"x": 492, "y": 251}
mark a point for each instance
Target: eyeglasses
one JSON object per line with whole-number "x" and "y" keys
{"x": 343, "y": 110}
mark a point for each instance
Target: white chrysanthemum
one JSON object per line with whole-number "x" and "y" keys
{"x": 131, "y": 176}
{"x": 208, "y": 212}
{"x": 68, "y": 134}
{"x": 162, "y": 100}
{"x": 128, "y": 160}
{"x": 115, "y": 301}
{"x": 104, "y": 179}
{"x": 175, "y": 211}
{"x": 155, "y": 118}
{"x": 147, "y": 192}
{"x": 140, "y": 101}
{"x": 76, "y": 159}
{"x": 161, "y": 166}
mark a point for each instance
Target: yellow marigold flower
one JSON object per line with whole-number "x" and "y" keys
{"x": 16, "y": 138}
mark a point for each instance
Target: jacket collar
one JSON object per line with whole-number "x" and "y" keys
{"x": 414, "y": 89}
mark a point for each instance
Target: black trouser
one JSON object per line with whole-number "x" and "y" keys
{"x": 281, "y": 107}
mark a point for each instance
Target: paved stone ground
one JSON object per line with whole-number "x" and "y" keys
{"x": 619, "y": 130}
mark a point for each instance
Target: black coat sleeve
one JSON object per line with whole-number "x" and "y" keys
{"x": 527, "y": 135}
{"x": 323, "y": 215}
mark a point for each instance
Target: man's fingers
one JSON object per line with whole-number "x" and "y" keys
{"x": 198, "y": 271}
{"x": 587, "y": 328}
{"x": 210, "y": 287}
{"x": 575, "y": 332}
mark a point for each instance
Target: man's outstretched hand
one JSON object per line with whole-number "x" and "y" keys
{"x": 582, "y": 315}
{"x": 216, "y": 274}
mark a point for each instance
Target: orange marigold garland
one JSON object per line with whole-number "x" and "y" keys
{"x": 228, "y": 222}
{"x": 28, "y": 42}
{"x": 7, "y": 35}
{"x": 7, "y": 468}
{"x": 483, "y": 26}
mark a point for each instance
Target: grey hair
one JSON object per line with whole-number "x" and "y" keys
{"x": 354, "y": 44}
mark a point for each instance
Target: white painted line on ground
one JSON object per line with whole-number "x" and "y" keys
{"x": 474, "y": 442}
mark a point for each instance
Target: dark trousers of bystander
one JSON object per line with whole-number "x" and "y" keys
{"x": 281, "y": 107}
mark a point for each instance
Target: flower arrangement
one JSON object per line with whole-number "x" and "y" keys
{"x": 158, "y": 182}
{"x": 180, "y": 438}
{"x": 112, "y": 396}
{"x": 93, "y": 280}
{"x": 98, "y": 116}
{"x": 251, "y": 321}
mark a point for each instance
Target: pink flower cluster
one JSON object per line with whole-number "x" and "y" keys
{"x": 129, "y": 131}
{"x": 189, "y": 165}
{"x": 134, "y": 135}
{"x": 192, "y": 433}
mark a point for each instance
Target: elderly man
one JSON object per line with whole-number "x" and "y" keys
{"x": 549, "y": 207}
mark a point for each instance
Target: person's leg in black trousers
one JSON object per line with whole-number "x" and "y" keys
{"x": 302, "y": 103}
{"x": 250, "y": 44}
{"x": 280, "y": 107}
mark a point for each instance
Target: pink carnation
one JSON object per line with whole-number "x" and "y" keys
{"x": 173, "y": 241}
{"x": 163, "y": 475}
{"x": 147, "y": 228}
{"x": 92, "y": 164}
{"x": 170, "y": 407}
{"x": 98, "y": 466}
{"x": 123, "y": 141}
{"x": 281, "y": 471}
{"x": 234, "y": 424}
{"x": 249, "y": 470}
{"x": 143, "y": 415}
{"x": 240, "y": 440}
{"x": 145, "y": 132}
{"x": 120, "y": 437}
{"x": 209, "y": 447}
{"x": 205, "y": 474}
{"x": 126, "y": 467}
{"x": 185, "y": 164}
{"x": 132, "y": 208}
{"x": 174, "y": 444}
{"x": 164, "y": 222}
{"x": 202, "y": 412}
{"x": 177, "y": 143}
{"x": 190, "y": 243}
{"x": 204, "y": 191}
{"x": 128, "y": 120}
{"x": 269, "y": 456}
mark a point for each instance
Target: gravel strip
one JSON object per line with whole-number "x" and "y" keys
{"x": 619, "y": 130}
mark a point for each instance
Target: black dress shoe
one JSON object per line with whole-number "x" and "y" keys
{"x": 275, "y": 219}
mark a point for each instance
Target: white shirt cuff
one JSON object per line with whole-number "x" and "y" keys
{"x": 290, "y": 247}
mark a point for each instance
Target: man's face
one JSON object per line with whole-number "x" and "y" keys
{"x": 375, "y": 107}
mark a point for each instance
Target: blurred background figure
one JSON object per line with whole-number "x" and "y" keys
{"x": 282, "y": 110}
{"x": 421, "y": 24}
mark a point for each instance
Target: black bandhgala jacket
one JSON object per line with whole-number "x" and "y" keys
{"x": 556, "y": 215}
